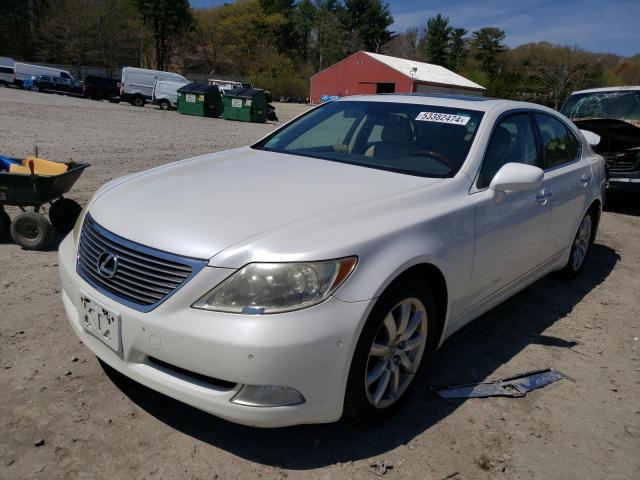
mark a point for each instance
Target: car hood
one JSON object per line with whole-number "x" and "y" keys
{"x": 201, "y": 206}
{"x": 616, "y": 135}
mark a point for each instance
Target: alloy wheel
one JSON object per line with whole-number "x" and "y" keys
{"x": 396, "y": 352}
{"x": 581, "y": 243}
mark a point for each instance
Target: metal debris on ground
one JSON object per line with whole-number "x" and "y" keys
{"x": 381, "y": 467}
{"x": 517, "y": 386}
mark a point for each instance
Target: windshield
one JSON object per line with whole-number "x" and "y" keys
{"x": 414, "y": 139}
{"x": 620, "y": 105}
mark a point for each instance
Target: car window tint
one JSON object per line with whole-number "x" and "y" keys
{"x": 559, "y": 146}
{"x": 512, "y": 141}
{"x": 330, "y": 132}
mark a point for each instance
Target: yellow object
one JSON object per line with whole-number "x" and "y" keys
{"x": 41, "y": 166}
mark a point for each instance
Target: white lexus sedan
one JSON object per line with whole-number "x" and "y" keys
{"x": 307, "y": 277}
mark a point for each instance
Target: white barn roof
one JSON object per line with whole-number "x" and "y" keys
{"x": 425, "y": 72}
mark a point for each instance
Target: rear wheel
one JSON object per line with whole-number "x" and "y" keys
{"x": 580, "y": 247}
{"x": 64, "y": 213}
{"x": 32, "y": 231}
{"x": 164, "y": 105}
{"x": 138, "y": 101}
{"x": 390, "y": 351}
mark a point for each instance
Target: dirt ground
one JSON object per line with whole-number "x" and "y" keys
{"x": 92, "y": 424}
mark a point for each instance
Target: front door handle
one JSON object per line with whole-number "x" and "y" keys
{"x": 543, "y": 196}
{"x": 585, "y": 179}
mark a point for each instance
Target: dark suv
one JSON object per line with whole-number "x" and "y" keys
{"x": 47, "y": 83}
{"x": 614, "y": 114}
{"x": 102, "y": 88}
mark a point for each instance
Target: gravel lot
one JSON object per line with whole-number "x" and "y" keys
{"x": 94, "y": 424}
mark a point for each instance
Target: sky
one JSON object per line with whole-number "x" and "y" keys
{"x": 610, "y": 26}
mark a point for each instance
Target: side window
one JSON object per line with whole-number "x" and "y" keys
{"x": 512, "y": 141}
{"x": 559, "y": 146}
{"x": 64, "y": 75}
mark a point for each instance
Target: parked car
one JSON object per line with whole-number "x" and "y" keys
{"x": 306, "y": 277}
{"x": 165, "y": 94}
{"x": 613, "y": 113}
{"x": 100, "y": 88}
{"x": 46, "y": 83}
{"x": 25, "y": 71}
{"x": 136, "y": 84}
{"x": 7, "y": 71}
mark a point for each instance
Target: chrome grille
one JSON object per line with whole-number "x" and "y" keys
{"x": 143, "y": 277}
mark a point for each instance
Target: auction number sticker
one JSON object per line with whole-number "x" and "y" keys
{"x": 443, "y": 118}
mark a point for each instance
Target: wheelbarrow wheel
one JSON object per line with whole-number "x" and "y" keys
{"x": 64, "y": 213}
{"x": 5, "y": 224}
{"x": 32, "y": 231}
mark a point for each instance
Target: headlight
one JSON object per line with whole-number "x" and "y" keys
{"x": 277, "y": 287}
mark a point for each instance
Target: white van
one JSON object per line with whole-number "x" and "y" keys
{"x": 23, "y": 71}
{"x": 136, "y": 85}
{"x": 7, "y": 71}
{"x": 165, "y": 94}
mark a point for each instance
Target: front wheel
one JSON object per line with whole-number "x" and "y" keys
{"x": 138, "y": 101}
{"x": 164, "y": 104}
{"x": 580, "y": 247}
{"x": 390, "y": 351}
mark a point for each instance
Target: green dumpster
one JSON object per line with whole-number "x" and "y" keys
{"x": 200, "y": 99}
{"x": 245, "y": 104}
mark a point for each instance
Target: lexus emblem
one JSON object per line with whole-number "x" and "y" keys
{"x": 107, "y": 264}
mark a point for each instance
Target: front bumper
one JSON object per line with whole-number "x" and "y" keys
{"x": 309, "y": 350}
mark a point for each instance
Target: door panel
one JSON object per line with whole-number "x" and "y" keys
{"x": 510, "y": 227}
{"x": 569, "y": 177}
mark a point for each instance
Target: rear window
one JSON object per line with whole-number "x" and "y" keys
{"x": 415, "y": 139}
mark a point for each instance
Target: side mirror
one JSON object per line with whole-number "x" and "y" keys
{"x": 592, "y": 138}
{"x": 517, "y": 177}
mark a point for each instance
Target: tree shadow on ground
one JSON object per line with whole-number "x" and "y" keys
{"x": 471, "y": 355}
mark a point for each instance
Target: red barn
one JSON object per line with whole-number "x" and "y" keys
{"x": 370, "y": 73}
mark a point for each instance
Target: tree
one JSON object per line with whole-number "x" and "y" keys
{"x": 167, "y": 19}
{"x": 435, "y": 42}
{"x": 488, "y": 46}
{"x": 330, "y": 34}
{"x": 404, "y": 45}
{"x": 457, "y": 53}
{"x": 366, "y": 23}
{"x": 304, "y": 20}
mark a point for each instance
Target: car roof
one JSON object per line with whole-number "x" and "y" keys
{"x": 607, "y": 89}
{"x": 469, "y": 102}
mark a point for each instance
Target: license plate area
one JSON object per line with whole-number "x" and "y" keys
{"x": 101, "y": 322}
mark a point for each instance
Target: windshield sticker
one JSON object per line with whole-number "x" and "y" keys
{"x": 443, "y": 118}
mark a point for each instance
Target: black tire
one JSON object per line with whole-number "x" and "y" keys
{"x": 164, "y": 105}
{"x": 114, "y": 98}
{"x": 32, "y": 231}
{"x": 5, "y": 224}
{"x": 358, "y": 408}
{"x": 138, "y": 101}
{"x": 64, "y": 213}
{"x": 573, "y": 268}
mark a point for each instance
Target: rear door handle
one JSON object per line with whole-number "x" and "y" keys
{"x": 543, "y": 195}
{"x": 585, "y": 179}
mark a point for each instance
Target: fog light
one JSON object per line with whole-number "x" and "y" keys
{"x": 268, "y": 396}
